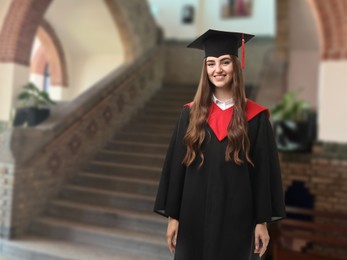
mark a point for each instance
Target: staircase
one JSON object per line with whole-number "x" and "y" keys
{"x": 106, "y": 211}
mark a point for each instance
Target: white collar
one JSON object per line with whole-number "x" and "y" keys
{"x": 223, "y": 104}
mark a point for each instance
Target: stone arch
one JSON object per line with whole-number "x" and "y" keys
{"x": 19, "y": 30}
{"x": 23, "y": 19}
{"x": 332, "y": 28}
{"x": 54, "y": 54}
{"x": 130, "y": 50}
{"x": 39, "y": 62}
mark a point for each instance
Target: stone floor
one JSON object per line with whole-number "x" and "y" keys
{"x": 38, "y": 248}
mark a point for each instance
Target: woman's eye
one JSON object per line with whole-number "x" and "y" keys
{"x": 210, "y": 64}
{"x": 226, "y": 62}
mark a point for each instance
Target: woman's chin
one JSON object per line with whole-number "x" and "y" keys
{"x": 219, "y": 84}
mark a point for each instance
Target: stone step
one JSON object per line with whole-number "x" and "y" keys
{"x": 156, "y": 118}
{"x": 109, "y": 205}
{"x": 178, "y": 89}
{"x": 165, "y": 106}
{"x": 155, "y": 160}
{"x": 106, "y": 182}
{"x": 143, "y": 137}
{"x": 173, "y": 112}
{"x": 174, "y": 96}
{"x": 148, "y": 222}
{"x": 100, "y": 197}
{"x": 137, "y": 124}
{"x": 36, "y": 247}
{"x": 139, "y": 147}
{"x": 123, "y": 170}
{"x": 168, "y": 107}
{"x": 169, "y": 104}
{"x": 166, "y": 120}
{"x": 134, "y": 123}
{"x": 113, "y": 238}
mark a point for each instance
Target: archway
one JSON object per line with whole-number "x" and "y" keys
{"x": 331, "y": 24}
{"x": 50, "y": 51}
{"x": 20, "y": 26}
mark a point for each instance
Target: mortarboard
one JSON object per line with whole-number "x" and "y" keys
{"x": 216, "y": 43}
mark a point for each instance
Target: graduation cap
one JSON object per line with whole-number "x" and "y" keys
{"x": 216, "y": 43}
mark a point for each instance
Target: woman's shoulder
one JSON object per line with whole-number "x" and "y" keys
{"x": 187, "y": 107}
{"x": 256, "y": 111}
{"x": 185, "y": 111}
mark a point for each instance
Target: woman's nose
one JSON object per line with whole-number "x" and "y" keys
{"x": 219, "y": 68}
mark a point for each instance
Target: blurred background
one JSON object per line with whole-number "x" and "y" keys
{"x": 90, "y": 93}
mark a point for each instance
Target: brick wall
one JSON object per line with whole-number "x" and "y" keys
{"x": 324, "y": 174}
{"x": 324, "y": 177}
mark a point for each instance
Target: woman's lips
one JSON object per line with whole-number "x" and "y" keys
{"x": 219, "y": 77}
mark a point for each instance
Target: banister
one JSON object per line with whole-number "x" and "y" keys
{"x": 71, "y": 114}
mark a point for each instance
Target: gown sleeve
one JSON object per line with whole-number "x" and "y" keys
{"x": 169, "y": 195}
{"x": 267, "y": 184}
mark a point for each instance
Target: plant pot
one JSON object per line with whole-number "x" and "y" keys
{"x": 30, "y": 115}
{"x": 293, "y": 136}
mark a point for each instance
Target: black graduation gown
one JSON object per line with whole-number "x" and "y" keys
{"x": 219, "y": 204}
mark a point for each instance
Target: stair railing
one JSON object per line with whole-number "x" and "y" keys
{"x": 46, "y": 156}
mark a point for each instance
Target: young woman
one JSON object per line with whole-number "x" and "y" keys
{"x": 221, "y": 181}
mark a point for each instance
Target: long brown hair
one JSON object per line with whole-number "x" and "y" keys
{"x": 238, "y": 141}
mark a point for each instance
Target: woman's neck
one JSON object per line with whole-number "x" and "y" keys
{"x": 222, "y": 94}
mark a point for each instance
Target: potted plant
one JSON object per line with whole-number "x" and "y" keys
{"x": 294, "y": 124}
{"x": 35, "y": 106}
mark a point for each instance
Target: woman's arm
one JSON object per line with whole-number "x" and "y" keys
{"x": 171, "y": 234}
{"x": 261, "y": 235}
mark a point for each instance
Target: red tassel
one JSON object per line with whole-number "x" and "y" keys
{"x": 243, "y": 52}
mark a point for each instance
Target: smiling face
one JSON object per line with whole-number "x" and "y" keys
{"x": 220, "y": 70}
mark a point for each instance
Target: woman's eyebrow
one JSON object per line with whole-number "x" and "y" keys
{"x": 226, "y": 58}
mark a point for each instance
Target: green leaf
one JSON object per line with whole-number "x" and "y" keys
{"x": 31, "y": 93}
{"x": 290, "y": 108}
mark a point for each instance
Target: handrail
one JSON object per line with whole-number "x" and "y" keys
{"x": 105, "y": 99}
{"x": 124, "y": 75}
